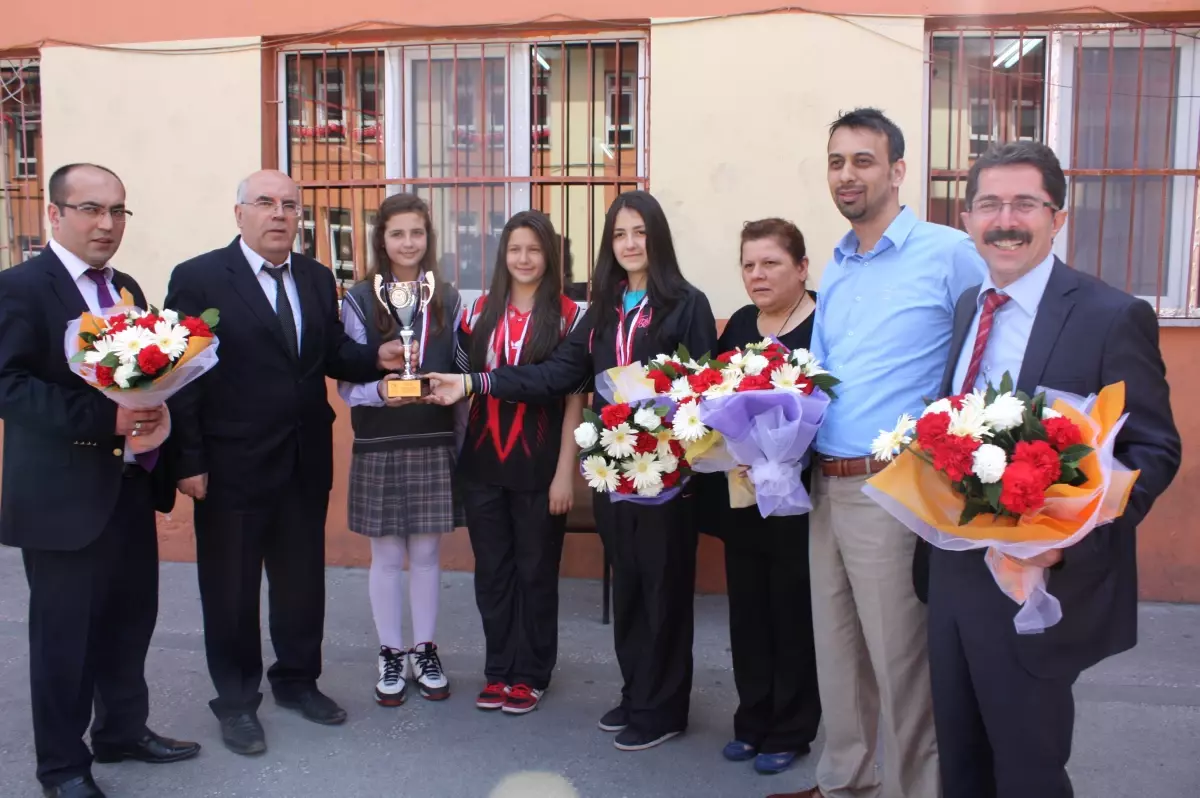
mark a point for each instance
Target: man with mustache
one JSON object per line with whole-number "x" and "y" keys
{"x": 883, "y": 325}
{"x": 1002, "y": 701}
{"x": 255, "y": 442}
{"x": 77, "y": 501}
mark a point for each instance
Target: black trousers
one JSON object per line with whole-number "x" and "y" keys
{"x": 518, "y": 547}
{"x": 91, "y": 615}
{"x": 771, "y": 631}
{"x": 1002, "y": 732}
{"x": 287, "y": 536}
{"x": 653, "y": 552}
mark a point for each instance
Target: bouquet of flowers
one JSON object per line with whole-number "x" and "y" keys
{"x": 629, "y": 451}
{"x": 140, "y": 358}
{"x": 751, "y": 412}
{"x": 1016, "y": 475}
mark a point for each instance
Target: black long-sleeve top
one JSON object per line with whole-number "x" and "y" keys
{"x": 583, "y": 355}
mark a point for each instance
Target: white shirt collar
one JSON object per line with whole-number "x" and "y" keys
{"x": 1026, "y": 290}
{"x": 74, "y": 264}
{"x": 257, "y": 261}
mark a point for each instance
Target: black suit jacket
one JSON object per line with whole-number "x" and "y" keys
{"x": 1087, "y": 335}
{"x": 62, "y": 462}
{"x": 261, "y": 417}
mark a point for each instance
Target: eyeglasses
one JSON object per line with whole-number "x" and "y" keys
{"x": 287, "y": 207}
{"x": 97, "y": 212}
{"x": 1022, "y": 207}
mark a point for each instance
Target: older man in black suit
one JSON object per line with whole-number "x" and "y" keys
{"x": 77, "y": 501}
{"x": 1003, "y": 704}
{"x": 255, "y": 442}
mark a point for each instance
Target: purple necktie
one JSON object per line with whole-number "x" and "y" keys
{"x": 146, "y": 460}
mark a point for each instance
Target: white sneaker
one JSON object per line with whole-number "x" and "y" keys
{"x": 427, "y": 669}
{"x": 391, "y": 687}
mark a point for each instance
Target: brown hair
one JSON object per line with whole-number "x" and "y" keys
{"x": 393, "y": 205}
{"x": 786, "y": 234}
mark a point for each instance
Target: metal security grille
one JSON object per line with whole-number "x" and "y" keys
{"x": 1119, "y": 105}
{"x": 22, "y": 234}
{"x": 480, "y": 130}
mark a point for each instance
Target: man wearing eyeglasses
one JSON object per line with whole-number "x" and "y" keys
{"x": 1003, "y": 706}
{"x": 255, "y": 442}
{"x": 76, "y": 500}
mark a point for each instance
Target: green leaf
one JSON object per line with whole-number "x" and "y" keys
{"x": 592, "y": 417}
{"x": 1073, "y": 454}
{"x": 684, "y": 355}
{"x": 990, "y": 395}
{"x": 211, "y": 317}
{"x": 992, "y": 492}
{"x": 111, "y": 360}
{"x": 1006, "y": 383}
{"x": 78, "y": 357}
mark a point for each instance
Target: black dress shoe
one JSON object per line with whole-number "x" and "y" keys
{"x": 82, "y": 787}
{"x": 314, "y": 705}
{"x": 243, "y": 734}
{"x": 151, "y": 748}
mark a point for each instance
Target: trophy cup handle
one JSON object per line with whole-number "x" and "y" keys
{"x": 427, "y": 289}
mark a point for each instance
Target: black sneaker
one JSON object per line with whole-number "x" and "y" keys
{"x": 243, "y": 734}
{"x": 614, "y": 720}
{"x": 637, "y": 740}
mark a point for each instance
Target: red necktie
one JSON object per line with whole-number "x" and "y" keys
{"x": 991, "y": 302}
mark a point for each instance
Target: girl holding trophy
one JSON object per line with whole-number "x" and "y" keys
{"x": 518, "y": 465}
{"x": 404, "y": 452}
{"x": 641, "y": 306}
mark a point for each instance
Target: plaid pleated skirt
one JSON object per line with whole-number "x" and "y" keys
{"x": 404, "y": 492}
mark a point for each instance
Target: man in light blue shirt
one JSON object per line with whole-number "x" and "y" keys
{"x": 883, "y": 324}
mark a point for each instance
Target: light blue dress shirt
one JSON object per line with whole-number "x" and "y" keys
{"x": 883, "y": 325}
{"x": 1012, "y": 325}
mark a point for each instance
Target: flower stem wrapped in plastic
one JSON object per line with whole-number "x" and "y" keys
{"x": 139, "y": 358}
{"x": 1013, "y": 475}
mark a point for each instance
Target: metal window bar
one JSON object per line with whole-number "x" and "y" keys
{"x": 22, "y": 230}
{"x": 1133, "y": 164}
{"x": 480, "y": 130}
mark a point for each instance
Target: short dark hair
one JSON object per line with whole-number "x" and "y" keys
{"x": 784, "y": 232}
{"x": 873, "y": 119}
{"x": 58, "y": 180}
{"x": 1022, "y": 153}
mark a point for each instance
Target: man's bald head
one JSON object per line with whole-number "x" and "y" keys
{"x": 268, "y": 211}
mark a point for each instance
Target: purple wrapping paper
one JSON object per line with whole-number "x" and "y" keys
{"x": 662, "y": 498}
{"x": 771, "y": 432}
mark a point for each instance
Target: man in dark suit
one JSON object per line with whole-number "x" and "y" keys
{"x": 77, "y": 501}
{"x": 255, "y": 442}
{"x": 1003, "y": 704}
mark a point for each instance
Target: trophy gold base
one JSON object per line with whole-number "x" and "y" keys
{"x": 408, "y": 388}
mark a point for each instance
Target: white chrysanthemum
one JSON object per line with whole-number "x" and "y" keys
{"x": 647, "y": 419}
{"x": 725, "y": 387}
{"x": 586, "y": 436}
{"x": 660, "y": 359}
{"x": 651, "y": 490}
{"x": 731, "y": 373}
{"x": 887, "y": 444}
{"x": 130, "y": 341}
{"x": 171, "y": 339}
{"x": 169, "y": 316}
{"x": 599, "y": 474}
{"x": 940, "y": 406}
{"x": 1049, "y": 412}
{"x": 667, "y": 460}
{"x": 124, "y": 374}
{"x": 787, "y": 377}
{"x": 975, "y": 400}
{"x": 736, "y": 359}
{"x": 618, "y": 442}
{"x": 754, "y": 364}
{"x": 687, "y": 425}
{"x": 645, "y": 470}
{"x": 989, "y": 463}
{"x": 968, "y": 422}
{"x": 101, "y": 348}
{"x": 1004, "y": 413}
{"x": 802, "y": 357}
{"x": 680, "y": 389}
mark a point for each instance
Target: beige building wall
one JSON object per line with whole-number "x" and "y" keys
{"x": 740, "y": 110}
{"x": 180, "y": 130}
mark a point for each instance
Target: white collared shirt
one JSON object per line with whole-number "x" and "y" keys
{"x": 271, "y": 288}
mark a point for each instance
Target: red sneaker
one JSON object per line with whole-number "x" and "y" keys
{"x": 493, "y": 696}
{"x": 521, "y": 699}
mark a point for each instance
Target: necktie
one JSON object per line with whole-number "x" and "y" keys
{"x": 283, "y": 308}
{"x": 146, "y": 460}
{"x": 992, "y": 301}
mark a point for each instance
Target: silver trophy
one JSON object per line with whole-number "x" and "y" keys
{"x": 406, "y": 301}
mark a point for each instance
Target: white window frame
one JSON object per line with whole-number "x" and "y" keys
{"x": 1186, "y": 119}
{"x": 332, "y": 229}
{"x": 26, "y": 157}
{"x": 613, "y": 127}
{"x": 308, "y": 224}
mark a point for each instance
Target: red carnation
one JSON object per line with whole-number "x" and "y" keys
{"x": 615, "y": 415}
{"x": 1023, "y": 489}
{"x": 147, "y": 322}
{"x": 152, "y": 360}
{"x": 662, "y": 383}
{"x": 670, "y": 480}
{"x": 954, "y": 455}
{"x": 931, "y": 429}
{"x": 675, "y": 364}
{"x": 196, "y": 327}
{"x": 1063, "y": 433}
{"x": 646, "y": 443}
{"x": 676, "y": 448}
{"x": 624, "y": 485}
{"x": 756, "y": 383}
{"x": 806, "y": 387}
{"x": 104, "y": 376}
{"x": 725, "y": 357}
{"x": 116, "y": 324}
{"x": 1042, "y": 457}
{"x": 957, "y": 401}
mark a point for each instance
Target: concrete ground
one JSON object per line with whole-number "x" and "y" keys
{"x": 1138, "y": 728}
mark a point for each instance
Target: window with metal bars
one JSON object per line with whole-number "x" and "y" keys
{"x": 22, "y": 232}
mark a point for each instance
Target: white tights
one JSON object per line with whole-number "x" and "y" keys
{"x": 387, "y": 592}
